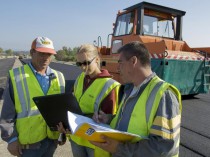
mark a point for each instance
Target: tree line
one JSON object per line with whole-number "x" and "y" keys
{"x": 65, "y": 54}
{"x": 8, "y": 52}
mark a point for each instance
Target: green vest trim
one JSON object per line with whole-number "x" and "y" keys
{"x": 94, "y": 95}
{"x": 23, "y": 79}
{"x": 147, "y": 105}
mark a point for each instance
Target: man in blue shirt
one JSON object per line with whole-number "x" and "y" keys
{"x": 24, "y": 83}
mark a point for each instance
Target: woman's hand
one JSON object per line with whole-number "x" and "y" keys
{"x": 101, "y": 117}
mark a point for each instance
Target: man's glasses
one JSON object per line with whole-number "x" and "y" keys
{"x": 85, "y": 63}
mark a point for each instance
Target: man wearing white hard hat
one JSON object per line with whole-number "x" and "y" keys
{"x": 22, "y": 125}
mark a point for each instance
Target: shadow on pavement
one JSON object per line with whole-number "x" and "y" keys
{"x": 187, "y": 97}
{"x": 1, "y": 92}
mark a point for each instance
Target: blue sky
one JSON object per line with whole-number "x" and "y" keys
{"x": 74, "y": 22}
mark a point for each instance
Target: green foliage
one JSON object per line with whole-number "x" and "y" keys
{"x": 66, "y": 54}
{"x": 9, "y": 52}
{"x": 1, "y": 50}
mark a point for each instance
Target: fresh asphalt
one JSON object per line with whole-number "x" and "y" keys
{"x": 195, "y": 128}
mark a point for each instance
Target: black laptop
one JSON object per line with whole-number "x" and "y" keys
{"x": 54, "y": 108}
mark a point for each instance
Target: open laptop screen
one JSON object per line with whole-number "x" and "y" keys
{"x": 54, "y": 108}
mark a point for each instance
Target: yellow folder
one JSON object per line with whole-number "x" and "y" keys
{"x": 86, "y": 128}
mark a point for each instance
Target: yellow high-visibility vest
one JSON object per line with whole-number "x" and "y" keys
{"x": 91, "y": 99}
{"x": 142, "y": 118}
{"x": 30, "y": 125}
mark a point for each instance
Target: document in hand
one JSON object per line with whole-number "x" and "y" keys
{"x": 86, "y": 128}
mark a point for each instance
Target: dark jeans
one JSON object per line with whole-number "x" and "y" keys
{"x": 46, "y": 149}
{"x": 81, "y": 151}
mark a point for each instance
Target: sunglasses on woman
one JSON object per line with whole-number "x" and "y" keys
{"x": 85, "y": 63}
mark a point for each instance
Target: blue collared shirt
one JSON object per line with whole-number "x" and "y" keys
{"x": 44, "y": 80}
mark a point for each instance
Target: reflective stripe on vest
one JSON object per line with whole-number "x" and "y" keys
{"x": 154, "y": 87}
{"x": 25, "y": 87}
{"x": 147, "y": 99}
{"x": 61, "y": 81}
{"x": 102, "y": 93}
{"x": 21, "y": 96}
{"x": 25, "y": 102}
{"x": 150, "y": 102}
{"x": 155, "y": 90}
{"x": 106, "y": 85}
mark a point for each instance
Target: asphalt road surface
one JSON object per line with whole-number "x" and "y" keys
{"x": 195, "y": 127}
{"x": 5, "y": 64}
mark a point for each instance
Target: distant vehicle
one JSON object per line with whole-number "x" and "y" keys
{"x": 20, "y": 57}
{"x": 160, "y": 29}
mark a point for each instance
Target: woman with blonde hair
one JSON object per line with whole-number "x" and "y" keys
{"x": 95, "y": 90}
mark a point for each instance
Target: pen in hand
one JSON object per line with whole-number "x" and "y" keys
{"x": 101, "y": 117}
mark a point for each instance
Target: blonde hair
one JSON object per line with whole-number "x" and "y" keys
{"x": 89, "y": 49}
